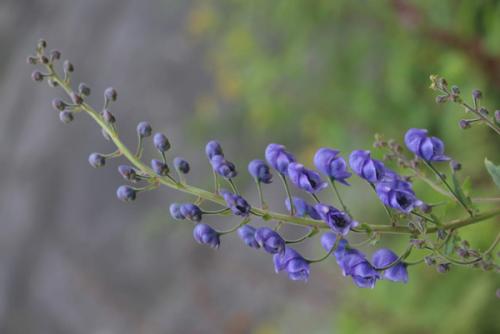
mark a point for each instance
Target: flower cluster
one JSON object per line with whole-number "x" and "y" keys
{"x": 395, "y": 191}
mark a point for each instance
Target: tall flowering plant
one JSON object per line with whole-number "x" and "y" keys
{"x": 408, "y": 215}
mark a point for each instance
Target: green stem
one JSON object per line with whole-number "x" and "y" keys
{"x": 243, "y": 222}
{"x": 387, "y": 210}
{"x": 334, "y": 187}
{"x": 312, "y": 232}
{"x": 334, "y": 247}
{"x": 288, "y": 193}
{"x": 263, "y": 204}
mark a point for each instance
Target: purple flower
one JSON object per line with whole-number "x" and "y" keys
{"x": 278, "y": 157}
{"x": 302, "y": 208}
{"x": 260, "y": 171}
{"x": 175, "y": 211}
{"x": 159, "y": 167}
{"x": 328, "y": 241}
{"x": 339, "y": 221}
{"x": 206, "y": 235}
{"x": 305, "y": 179}
{"x": 332, "y": 165}
{"x": 212, "y": 149}
{"x": 161, "y": 142}
{"x": 127, "y": 172}
{"x": 295, "y": 265}
{"x": 223, "y": 167}
{"x": 385, "y": 257}
{"x": 97, "y": 160}
{"x": 181, "y": 165}
{"x": 365, "y": 167}
{"x": 191, "y": 212}
{"x": 144, "y": 129}
{"x": 425, "y": 147}
{"x": 397, "y": 194}
{"x": 364, "y": 275}
{"x": 247, "y": 234}
{"x": 126, "y": 193}
{"x": 238, "y": 205}
{"x": 270, "y": 240}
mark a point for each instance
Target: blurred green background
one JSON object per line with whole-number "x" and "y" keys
{"x": 333, "y": 73}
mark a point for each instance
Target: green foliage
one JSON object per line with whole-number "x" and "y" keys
{"x": 494, "y": 171}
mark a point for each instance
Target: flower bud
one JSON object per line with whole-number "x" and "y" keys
{"x": 44, "y": 60}
{"x": 191, "y": 212}
{"x": 127, "y": 172}
{"x": 83, "y": 89}
{"x": 66, "y": 117}
{"x": 58, "y": 104}
{"x": 483, "y": 111}
{"x": 364, "y": 166}
{"x": 429, "y": 260}
{"x": 212, "y": 149}
{"x": 110, "y": 94}
{"x": 223, "y": 167}
{"x": 37, "y": 76}
{"x": 54, "y": 55}
{"x": 161, "y": 142}
{"x": 443, "y": 268}
{"x": 68, "y": 67}
{"x": 464, "y": 124}
{"x": 247, "y": 234}
{"x": 42, "y": 44}
{"x": 455, "y": 90}
{"x": 126, "y": 193}
{"x": 181, "y": 165}
{"x": 97, "y": 160}
{"x": 305, "y": 179}
{"x": 455, "y": 165}
{"x": 32, "y": 60}
{"x": 204, "y": 234}
{"x": 441, "y": 98}
{"x": 77, "y": 99}
{"x": 278, "y": 158}
{"x": 270, "y": 240}
{"x": 477, "y": 94}
{"x": 108, "y": 116}
{"x": 238, "y": 205}
{"x": 144, "y": 129}
{"x": 425, "y": 208}
{"x": 159, "y": 167}
{"x": 260, "y": 171}
{"x": 332, "y": 165}
{"x": 175, "y": 211}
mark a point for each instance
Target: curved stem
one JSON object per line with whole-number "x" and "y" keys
{"x": 334, "y": 187}
{"x": 312, "y": 232}
{"x": 387, "y": 210}
{"x": 334, "y": 247}
{"x": 288, "y": 193}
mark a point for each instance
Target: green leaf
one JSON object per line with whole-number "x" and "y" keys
{"x": 459, "y": 192}
{"x": 493, "y": 170}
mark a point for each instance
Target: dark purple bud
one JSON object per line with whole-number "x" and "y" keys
{"x": 54, "y": 55}
{"x": 97, "y": 160}
{"x": 44, "y": 60}
{"x": 175, "y": 211}
{"x": 37, "y": 76}
{"x": 58, "y": 104}
{"x": 32, "y": 60}
{"x": 332, "y": 165}
{"x": 429, "y": 260}
{"x": 126, "y": 193}
{"x": 68, "y": 67}
{"x": 212, "y": 149}
{"x": 385, "y": 257}
{"x": 204, "y": 234}
{"x": 455, "y": 90}
{"x": 247, "y": 234}
{"x": 83, "y": 89}
{"x": 425, "y": 208}
{"x": 293, "y": 263}
{"x": 260, "y": 171}
{"x": 191, "y": 212}
{"x": 238, "y": 205}
{"x": 77, "y": 99}
{"x": 127, "y": 172}
{"x": 159, "y": 167}
{"x": 477, "y": 94}
{"x": 365, "y": 167}
{"x": 441, "y": 98}
{"x": 483, "y": 111}
{"x": 339, "y": 221}
{"x": 66, "y": 117}
{"x": 108, "y": 116}
{"x": 161, "y": 142}
{"x": 110, "y": 94}
{"x": 425, "y": 147}
{"x": 455, "y": 165}
{"x": 278, "y": 158}
{"x": 223, "y": 167}
{"x": 181, "y": 165}
{"x": 305, "y": 179}
{"x": 464, "y": 124}
{"x": 42, "y": 44}
{"x": 270, "y": 240}
{"x": 144, "y": 129}
{"x": 302, "y": 208}
{"x": 443, "y": 268}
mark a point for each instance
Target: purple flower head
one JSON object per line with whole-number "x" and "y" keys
{"x": 383, "y": 258}
{"x": 332, "y": 165}
{"x": 364, "y": 166}
{"x": 181, "y": 165}
{"x": 270, "y": 240}
{"x": 247, "y": 234}
{"x": 127, "y": 172}
{"x": 159, "y": 167}
{"x": 175, "y": 211}
{"x": 294, "y": 264}
{"x": 126, "y": 193}
{"x": 223, "y": 167}
{"x": 238, "y": 205}
{"x": 339, "y": 221}
{"x": 205, "y": 235}
{"x": 397, "y": 194}
{"x": 305, "y": 179}
{"x": 161, "y": 142}
{"x": 97, "y": 160}
{"x": 302, "y": 208}
{"x": 144, "y": 129}
{"x": 364, "y": 275}
{"x": 191, "y": 212}
{"x": 425, "y": 147}
{"x": 328, "y": 241}
{"x": 260, "y": 171}
{"x": 212, "y": 149}
{"x": 278, "y": 157}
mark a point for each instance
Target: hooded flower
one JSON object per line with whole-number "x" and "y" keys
{"x": 332, "y": 165}
{"x": 425, "y": 147}
{"x": 278, "y": 157}
{"x": 223, "y": 167}
{"x": 238, "y": 205}
{"x": 305, "y": 179}
{"x": 206, "y": 235}
{"x": 365, "y": 167}
{"x": 260, "y": 171}
{"x": 397, "y": 193}
{"x": 294, "y": 264}
{"x": 385, "y": 257}
{"x": 339, "y": 221}
{"x": 247, "y": 234}
{"x": 302, "y": 208}
{"x": 270, "y": 240}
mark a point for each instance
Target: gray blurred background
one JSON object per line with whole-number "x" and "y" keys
{"x": 73, "y": 259}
